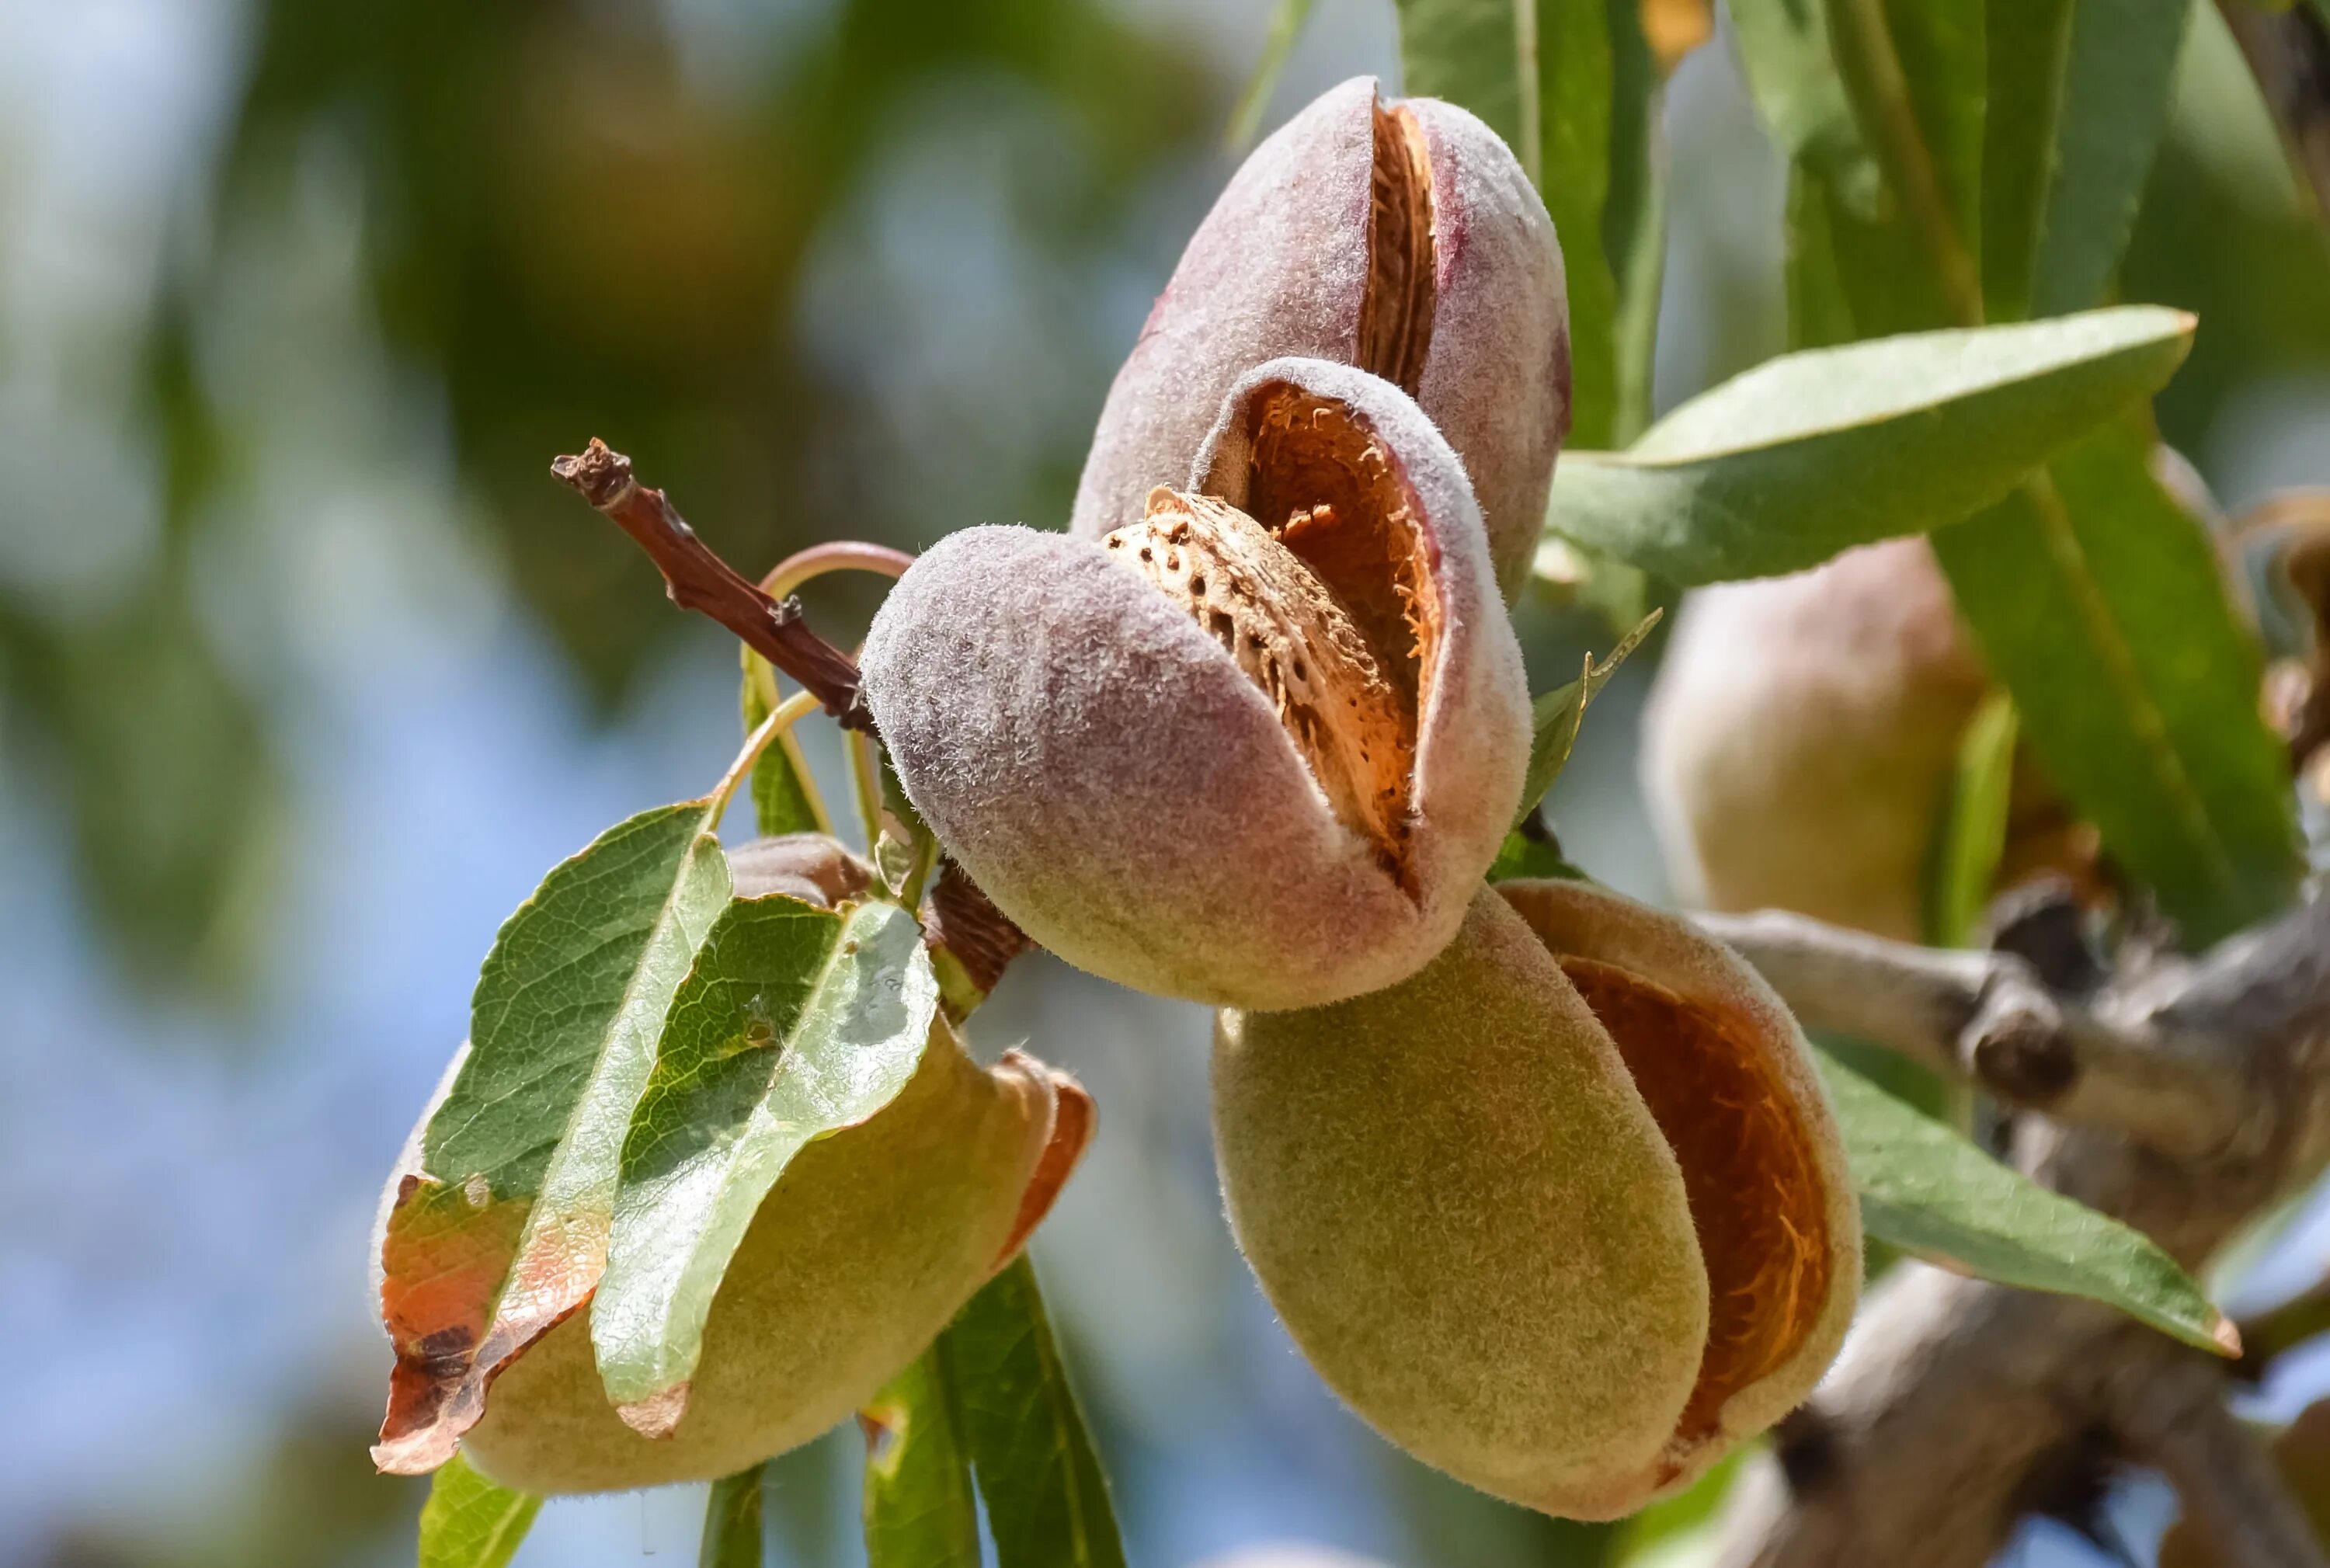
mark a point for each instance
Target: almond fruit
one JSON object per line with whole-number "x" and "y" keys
{"x": 1402, "y": 239}
{"x": 1563, "y": 1215}
{"x": 1264, "y": 766}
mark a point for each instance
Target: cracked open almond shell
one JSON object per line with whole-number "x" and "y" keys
{"x": 1254, "y": 748}
{"x": 1565, "y": 1215}
{"x": 869, "y": 1243}
{"x": 1401, "y": 238}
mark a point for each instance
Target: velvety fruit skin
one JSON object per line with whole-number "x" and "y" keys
{"x": 1470, "y": 1220}
{"x": 1802, "y": 736}
{"x": 1107, "y": 774}
{"x": 1283, "y": 265}
{"x": 864, "y": 1250}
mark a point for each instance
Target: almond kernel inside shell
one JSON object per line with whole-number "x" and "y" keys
{"x": 1282, "y": 626}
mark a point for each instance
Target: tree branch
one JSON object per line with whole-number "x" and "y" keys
{"x": 697, "y": 579}
{"x": 2234, "y": 1496}
{"x": 1990, "y": 1017}
{"x": 2288, "y": 53}
{"x": 1959, "y": 1406}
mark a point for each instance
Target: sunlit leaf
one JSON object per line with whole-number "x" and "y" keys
{"x": 1972, "y": 837}
{"x": 1936, "y": 1196}
{"x": 1556, "y": 715}
{"x": 731, "y": 1523}
{"x": 468, "y": 1522}
{"x": 794, "y": 1022}
{"x": 1047, "y": 1504}
{"x": 1470, "y": 52}
{"x": 784, "y": 799}
{"x": 2097, "y": 601}
{"x": 504, "y": 1230}
{"x": 1781, "y": 468}
{"x": 920, "y": 1508}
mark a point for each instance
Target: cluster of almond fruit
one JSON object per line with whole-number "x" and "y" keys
{"x": 1541, "y": 1179}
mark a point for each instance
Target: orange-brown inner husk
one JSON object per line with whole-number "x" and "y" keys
{"x": 1332, "y": 493}
{"x": 1758, "y": 1194}
{"x": 1402, "y": 290}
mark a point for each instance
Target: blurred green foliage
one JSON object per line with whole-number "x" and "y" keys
{"x": 565, "y": 233}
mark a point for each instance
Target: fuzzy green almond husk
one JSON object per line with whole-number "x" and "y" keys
{"x": 864, "y": 1249}
{"x": 1110, "y": 777}
{"x": 1473, "y": 1223}
{"x": 1475, "y": 325}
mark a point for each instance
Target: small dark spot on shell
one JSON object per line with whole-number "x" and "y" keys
{"x": 1146, "y": 555}
{"x": 1197, "y": 586}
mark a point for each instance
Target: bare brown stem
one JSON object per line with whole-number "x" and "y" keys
{"x": 697, "y": 579}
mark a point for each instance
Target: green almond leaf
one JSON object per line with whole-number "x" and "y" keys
{"x": 1556, "y": 715}
{"x": 1047, "y": 1504}
{"x": 1936, "y": 1196}
{"x": 1972, "y": 839}
{"x": 1633, "y": 220}
{"x": 1471, "y": 53}
{"x": 785, "y": 800}
{"x": 731, "y": 1523}
{"x": 468, "y": 1522}
{"x": 1532, "y": 856}
{"x": 1285, "y": 26}
{"x": 793, "y": 1023}
{"x": 1575, "y": 165}
{"x": 1781, "y": 468}
{"x": 1792, "y": 69}
{"x": 2098, "y": 600}
{"x": 920, "y": 1510}
{"x": 504, "y": 1230}
{"x": 2080, "y": 98}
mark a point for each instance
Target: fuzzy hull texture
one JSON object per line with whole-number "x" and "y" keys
{"x": 1108, "y": 774}
{"x": 1285, "y": 265}
{"x": 1498, "y": 1250}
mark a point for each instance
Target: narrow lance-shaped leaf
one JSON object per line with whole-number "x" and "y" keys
{"x": 1782, "y": 466}
{"x": 2098, "y": 600}
{"x": 731, "y": 1523}
{"x": 1633, "y": 216}
{"x": 1558, "y": 714}
{"x": 794, "y": 1022}
{"x": 1470, "y": 52}
{"x": 1575, "y": 166}
{"x": 503, "y": 1230}
{"x": 784, "y": 799}
{"x": 1936, "y": 1196}
{"x": 1972, "y": 838}
{"x": 920, "y": 1509}
{"x": 2080, "y": 98}
{"x": 468, "y": 1522}
{"x": 1047, "y": 1504}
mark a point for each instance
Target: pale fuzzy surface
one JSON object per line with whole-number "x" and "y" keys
{"x": 1800, "y": 737}
{"x": 1279, "y": 267}
{"x": 1580, "y": 919}
{"x": 1497, "y": 380}
{"x": 866, "y": 1247}
{"x": 1469, "y": 1222}
{"x": 1120, "y": 788}
{"x": 1472, "y": 752}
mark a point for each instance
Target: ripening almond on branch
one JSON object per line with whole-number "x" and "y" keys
{"x": 1402, "y": 238}
{"x": 1565, "y": 1215}
{"x": 1255, "y": 748}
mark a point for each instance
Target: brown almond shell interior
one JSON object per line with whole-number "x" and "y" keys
{"x": 1751, "y": 1172}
